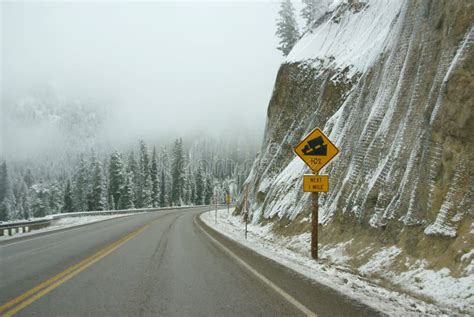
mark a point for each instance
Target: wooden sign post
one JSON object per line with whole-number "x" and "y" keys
{"x": 316, "y": 150}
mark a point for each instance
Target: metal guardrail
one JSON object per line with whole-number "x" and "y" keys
{"x": 27, "y": 226}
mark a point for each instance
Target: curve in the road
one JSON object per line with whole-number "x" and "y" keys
{"x": 156, "y": 264}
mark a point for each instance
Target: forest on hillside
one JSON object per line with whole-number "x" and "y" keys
{"x": 198, "y": 172}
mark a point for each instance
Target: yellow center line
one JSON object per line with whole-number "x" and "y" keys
{"x": 44, "y": 288}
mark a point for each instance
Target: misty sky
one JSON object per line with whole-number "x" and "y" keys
{"x": 155, "y": 66}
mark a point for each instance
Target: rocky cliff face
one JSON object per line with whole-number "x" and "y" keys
{"x": 391, "y": 83}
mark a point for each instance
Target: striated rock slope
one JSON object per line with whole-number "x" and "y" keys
{"x": 391, "y": 83}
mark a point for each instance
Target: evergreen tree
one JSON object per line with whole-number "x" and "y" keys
{"x": 23, "y": 201}
{"x": 4, "y": 181}
{"x": 28, "y": 178}
{"x": 18, "y": 207}
{"x": 177, "y": 174}
{"x": 116, "y": 180}
{"x": 55, "y": 199}
{"x": 162, "y": 189}
{"x": 147, "y": 193}
{"x": 105, "y": 184}
{"x": 199, "y": 199}
{"x": 154, "y": 180}
{"x": 68, "y": 205}
{"x": 96, "y": 194}
{"x": 132, "y": 167}
{"x": 191, "y": 187}
{"x": 126, "y": 196}
{"x": 40, "y": 202}
{"x": 81, "y": 186}
{"x": 186, "y": 190}
{"x": 209, "y": 190}
{"x": 166, "y": 168}
{"x": 144, "y": 185}
{"x": 4, "y": 210}
{"x": 287, "y": 28}
{"x": 7, "y": 199}
{"x": 312, "y": 10}
{"x": 112, "y": 204}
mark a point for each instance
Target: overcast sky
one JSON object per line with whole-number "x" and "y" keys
{"x": 156, "y": 66}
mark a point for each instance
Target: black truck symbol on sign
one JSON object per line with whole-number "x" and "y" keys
{"x": 315, "y": 147}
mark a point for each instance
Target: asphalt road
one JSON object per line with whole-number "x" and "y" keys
{"x": 162, "y": 263}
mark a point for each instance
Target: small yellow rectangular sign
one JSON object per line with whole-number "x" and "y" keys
{"x": 315, "y": 183}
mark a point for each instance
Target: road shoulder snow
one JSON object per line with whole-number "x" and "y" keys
{"x": 263, "y": 241}
{"x": 64, "y": 223}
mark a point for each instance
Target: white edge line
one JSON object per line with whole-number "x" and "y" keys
{"x": 305, "y": 310}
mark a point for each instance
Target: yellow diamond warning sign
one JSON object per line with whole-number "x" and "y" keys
{"x": 316, "y": 150}
{"x": 315, "y": 183}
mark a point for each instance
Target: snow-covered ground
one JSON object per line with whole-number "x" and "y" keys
{"x": 294, "y": 253}
{"x": 65, "y": 223}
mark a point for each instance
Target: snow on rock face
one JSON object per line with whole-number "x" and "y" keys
{"x": 398, "y": 104}
{"x": 348, "y": 38}
{"x": 397, "y": 164}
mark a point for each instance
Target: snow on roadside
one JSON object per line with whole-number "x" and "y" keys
{"x": 65, "y": 223}
{"x": 263, "y": 241}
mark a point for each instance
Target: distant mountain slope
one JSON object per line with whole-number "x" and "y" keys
{"x": 50, "y": 125}
{"x": 391, "y": 83}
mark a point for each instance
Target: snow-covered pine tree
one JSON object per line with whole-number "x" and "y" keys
{"x": 81, "y": 185}
{"x": 199, "y": 180}
{"x": 312, "y": 10}
{"x": 209, "y": 189}
{"x": 68, "y": 204}
{"x": 96, "y": 194}
{"x": 4, "y": 187}
{"x": 28, "y": 178}
{"x": 177, "y": 174}
{"x": 147, "y": 193}
{"x": 7, "y": 198}
{"x": 55, "y": 199}
{"x": 116, "y": 179}
{"x": 132, "y": 167}
{"x": 105, "y": 183}
{"x": 188, "y": 184}
{"x": 166, "y": 167}
{"x": 39, "y": 204}
{"x": 4, "y": 181}
{"x": 192, "y": 186}
{"x": 287, "y": 28}
{"x": 162, "y": 189}
{"x": 18, "y": 207}
{"x": 126, "y": 197}
{"x": 4, "y": 210}
{"x": 144, "y": 185}
{"x": 154, "y": 179}
{"x": 23, "y": 201}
